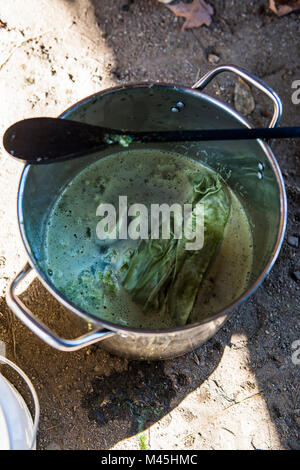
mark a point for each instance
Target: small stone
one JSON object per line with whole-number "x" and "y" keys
{"x": 293, "y": 241}
{"x": 213, "y": 58}
{"x": 243, "y": 100}
{"x": 53, "y": 446}
{"x": 296, "y": 275}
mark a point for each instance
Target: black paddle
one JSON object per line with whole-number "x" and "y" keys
{"x": 46, "y": 140}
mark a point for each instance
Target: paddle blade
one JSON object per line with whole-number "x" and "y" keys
{"x": 44, "y": 140}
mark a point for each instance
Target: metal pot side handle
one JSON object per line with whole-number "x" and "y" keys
{"x": 28, "y": 382}
{"x": 248, "y": 77}
{"x": 41, "y": 330}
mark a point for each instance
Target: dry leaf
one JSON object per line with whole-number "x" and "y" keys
{"x": 284, "y": 7}
{"x": 196, "y": 13}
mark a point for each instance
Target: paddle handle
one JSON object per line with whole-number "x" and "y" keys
{"x": 215, "y": 135}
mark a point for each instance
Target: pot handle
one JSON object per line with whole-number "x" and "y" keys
{"x": 248, "y": 77}
{"x": 41, "y": 330}
{"x": 28, "y": 382}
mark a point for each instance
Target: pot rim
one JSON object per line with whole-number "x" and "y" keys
{"x": 228, "y": 309}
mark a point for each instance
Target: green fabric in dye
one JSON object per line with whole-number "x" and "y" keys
{"x": 163, "y": 274}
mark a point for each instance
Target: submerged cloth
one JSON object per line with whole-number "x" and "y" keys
{"x": 163, "y": 274}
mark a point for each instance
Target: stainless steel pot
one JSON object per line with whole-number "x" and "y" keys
{"x": 253, "y": 174}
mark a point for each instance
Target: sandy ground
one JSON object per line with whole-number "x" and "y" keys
{"x": 241, "y": 389}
